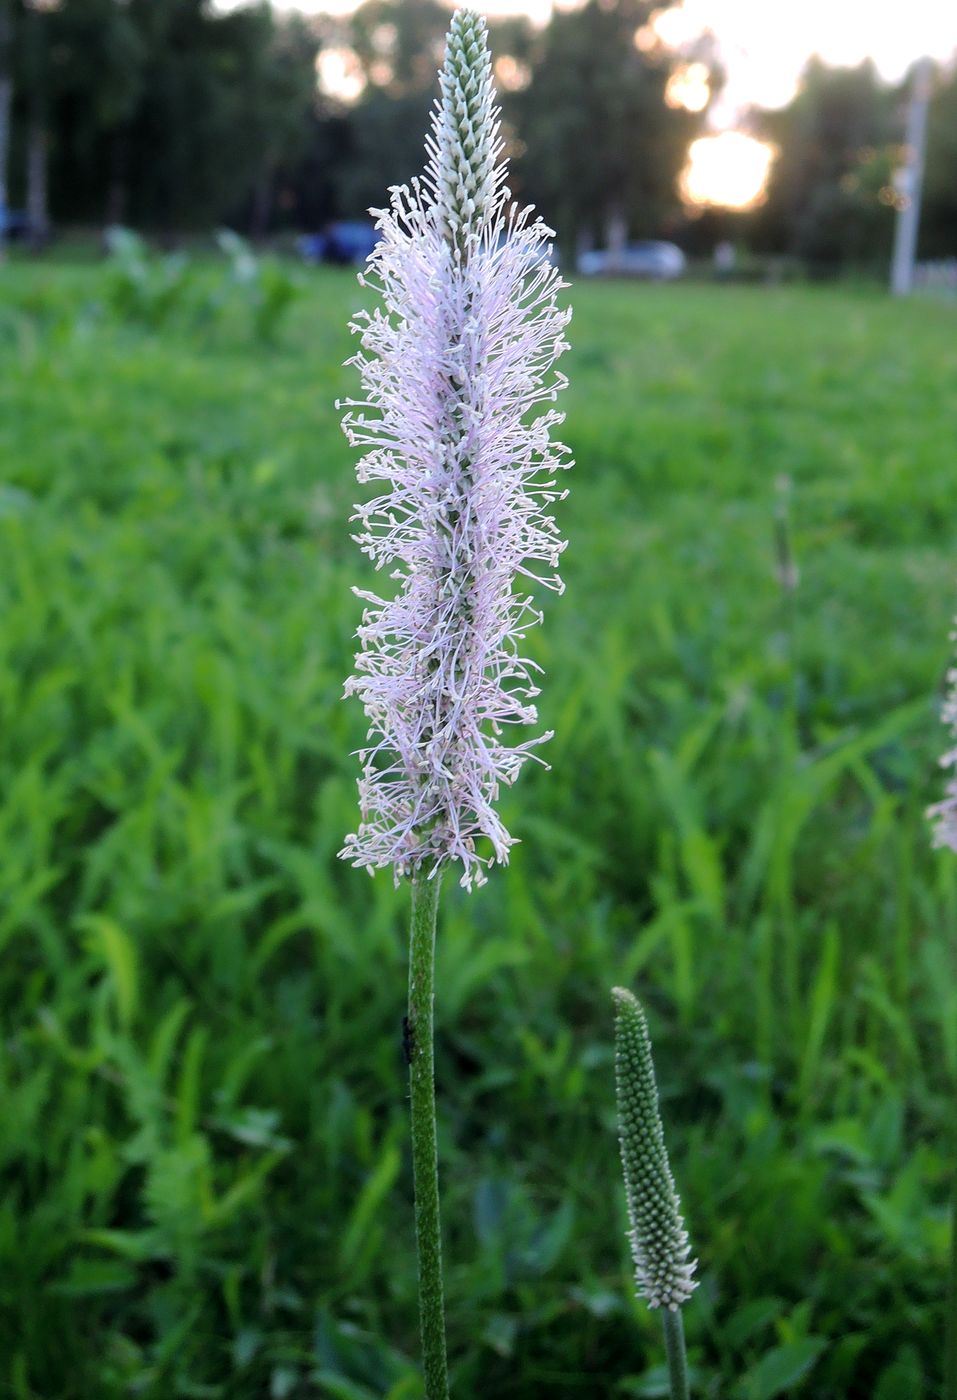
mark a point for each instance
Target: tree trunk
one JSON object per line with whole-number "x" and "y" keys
{"x": 37, "y": 85}
{"x": 118, "y": 191}
{"x": 38, "y": 211}
{"x": 262, "y": 206}
{"x": 6, "y": 107}
{"x": 616, "y": 235}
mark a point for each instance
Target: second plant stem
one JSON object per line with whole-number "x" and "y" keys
{"x": 675, "y": 1349}
{"x": 950, "y": 1325}
{"x": 419, "y": 1049}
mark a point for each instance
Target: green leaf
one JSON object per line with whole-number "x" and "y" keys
{"x": 107, "y": 941}
{"x": 822, "y": 1005}
{"x": 750, "y": 1320}
{"x": 780, "y": 1369}
{"x": 371, "y": 1198}
{"x": 88, "y": 1278}
{"x": 339, "y": 1388}
{"x": 135, "y": 1245}
{"x": 243, "y": 1191}
{"x": 903, "y": 1379}
{"x": 165, "y": 1037}
{"x": 188, "y": 1088}
{"x": 699, "y": 852}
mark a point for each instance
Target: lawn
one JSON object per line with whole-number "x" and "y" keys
{"x": 204, "y": 1145}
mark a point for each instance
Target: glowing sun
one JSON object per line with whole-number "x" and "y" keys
{"x": 729, "y": 170}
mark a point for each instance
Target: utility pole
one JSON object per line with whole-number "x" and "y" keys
{"x": 909, "y": 182}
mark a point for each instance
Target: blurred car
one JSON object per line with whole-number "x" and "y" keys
{"x": 346, "y": 243}
{"x": 15, "y": 226}
{"x": 659, "y": 262}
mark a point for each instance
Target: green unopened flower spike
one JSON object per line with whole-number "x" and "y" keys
{"x": 659, "y": 1241}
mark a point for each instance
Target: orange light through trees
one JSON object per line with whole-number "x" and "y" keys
{"x": 688, "y": 87}
{"x": 729, "y": 171}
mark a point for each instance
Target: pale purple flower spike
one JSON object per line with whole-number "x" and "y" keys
{"x": 454, "y": 368}
{"x": 943, "y": 814}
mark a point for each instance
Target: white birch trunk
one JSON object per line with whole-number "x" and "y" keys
{"x": 616, "y": 236}
{"x": 6, "y": 108}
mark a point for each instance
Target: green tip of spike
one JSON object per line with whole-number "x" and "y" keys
{"x": 659, "y": 1241}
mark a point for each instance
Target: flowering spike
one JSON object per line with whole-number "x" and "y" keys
{"x": 465, "y": 147}
{"x": 659, "y": 1241}
{"x": 457, "y": 377}
{"x": 943, "y": 814}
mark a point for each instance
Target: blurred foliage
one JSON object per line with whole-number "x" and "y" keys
{"x": 151, "y": 289}
{"x": 838, "y": 133}
{"x": 832, "y": 195}
{"x": 206, "y": 1181}
{"x": 142, "y": 287}
{"x": 939, "y": 219}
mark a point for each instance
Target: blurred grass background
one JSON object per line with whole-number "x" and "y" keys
{"x": 204, "y": 1144}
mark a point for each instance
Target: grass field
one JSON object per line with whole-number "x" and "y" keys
{"x": 204, "y": 1131}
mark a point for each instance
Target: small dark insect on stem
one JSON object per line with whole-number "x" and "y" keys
{"x": 408, "y": 1039}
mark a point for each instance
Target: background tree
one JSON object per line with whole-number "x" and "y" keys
{"x": 191, "y": 125}
{"x": 283, "y": 99}
{"x": 160, "y": 112}
{"x": 938, "y": 225}
{"x": 96, "y": 64}
{"x": 602, "y": 147}
{"x": 398, "y": 45}
{"x": 830, "y": 194}
{"x": 6, "y": 103}
{"x": 35, "y": 34}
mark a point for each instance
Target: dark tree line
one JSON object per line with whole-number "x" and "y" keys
{"x": 163, "y": 113}
{"x": 171, "y": 115}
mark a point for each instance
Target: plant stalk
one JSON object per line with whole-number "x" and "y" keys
{"x": 950, "y": 1332}
{"x": 420, "y": 1053}
{"x": 675, "y": 1349}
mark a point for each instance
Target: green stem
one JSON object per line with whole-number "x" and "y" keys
{"x": 675, "y": 1348}
{"x": 950, "y": 1338}
{"x": 419, "y": 1038}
